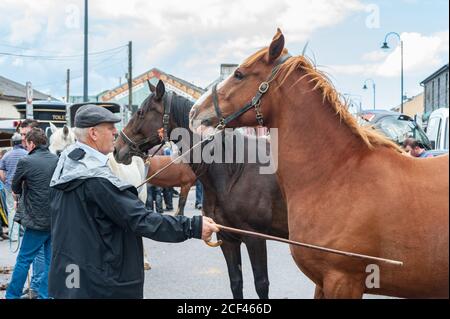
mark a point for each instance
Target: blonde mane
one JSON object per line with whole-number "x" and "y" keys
{"x": 369, "y": 136}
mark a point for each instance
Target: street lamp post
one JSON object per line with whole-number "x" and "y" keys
{"x": 374, "y": 90}
{"x": 85, "y": 72}
{"x": 385, "y": 47}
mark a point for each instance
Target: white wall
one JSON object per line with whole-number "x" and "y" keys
{"x": 7, "y": 110}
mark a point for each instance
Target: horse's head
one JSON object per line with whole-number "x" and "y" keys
{"x": 60, "y": 138}
{"x": 143, "y": 131}
{"x": 223, "y": 103}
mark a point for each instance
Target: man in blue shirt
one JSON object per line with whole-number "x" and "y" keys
{"x": 8, "y": 166}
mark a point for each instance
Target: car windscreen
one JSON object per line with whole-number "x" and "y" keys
{"x": 398, "y": 130}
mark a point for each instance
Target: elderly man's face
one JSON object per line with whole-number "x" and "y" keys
{"x": 103, "y": 136}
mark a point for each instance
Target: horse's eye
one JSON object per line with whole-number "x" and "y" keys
{"x": 238, "y": 75}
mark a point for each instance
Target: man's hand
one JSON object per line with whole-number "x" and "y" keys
{"x": 209, "y": 227}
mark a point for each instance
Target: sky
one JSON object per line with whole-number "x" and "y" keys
{"x": 190, "y": 39}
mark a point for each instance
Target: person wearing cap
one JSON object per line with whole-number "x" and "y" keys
{"x": 98, "y": 221}
{"x": 31, "y": 180}
{"x": 8, "y": 165}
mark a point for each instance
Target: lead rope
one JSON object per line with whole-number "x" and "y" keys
{"x": 217, "y": 130}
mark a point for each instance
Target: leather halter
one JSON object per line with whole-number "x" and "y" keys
{"x": 255, "y": 102}
{"x": 140, "y": 148}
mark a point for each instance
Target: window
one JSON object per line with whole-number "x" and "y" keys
{"x": 438, "y": 94}
{"x": 432, "y": 96}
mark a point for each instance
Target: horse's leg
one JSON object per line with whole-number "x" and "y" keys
{"x": 146, "y": 262}
{"x": 337, "y": 285}
{"x": 182, "y": 199}
{"x": 318, "y": 293}
{"x": 257, "y": 251}
{"x": 231, "y": 250}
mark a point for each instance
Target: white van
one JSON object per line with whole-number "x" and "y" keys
{"x": 437, "y": 129}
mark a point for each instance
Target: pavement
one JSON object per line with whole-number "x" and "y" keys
{"x": 192, "y": 270}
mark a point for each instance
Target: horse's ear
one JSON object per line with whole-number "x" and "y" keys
{"x": 160, "y": 90}
{"x": 276, "y": 47}
{"x": 65, "y": 130}
{"x": 151, "y": 87}
{"x": 53, "y": 127}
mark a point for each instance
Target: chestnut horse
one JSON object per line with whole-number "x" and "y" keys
{"x": 235, "y": 194}
{"x": 178, "y": 174}
{"x": 358, "y": 192}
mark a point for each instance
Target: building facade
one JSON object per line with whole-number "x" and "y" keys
{"x": 436, "y": 88}
{"x": 11, "y": 93}
{"x": 141, "y": 90}
{"x": 413, "y": 106}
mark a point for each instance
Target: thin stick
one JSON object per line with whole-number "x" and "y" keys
{"x": 333, "y": 251}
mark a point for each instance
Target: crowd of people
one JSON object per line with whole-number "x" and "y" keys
{"x": 72, "y": 211}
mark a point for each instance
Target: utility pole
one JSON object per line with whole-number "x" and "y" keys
{"x": 68, "y": 86}
{"x": 130, "y": 77}
{"x": 401, "y": 75}
{"x": 85, "y": 82}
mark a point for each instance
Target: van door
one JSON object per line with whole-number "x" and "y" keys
{"x": 433, "y": 129}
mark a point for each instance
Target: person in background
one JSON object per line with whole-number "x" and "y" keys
{"x": 198, "y": 195}
{"x": 8, "y": 166}
{"x": 415, "y": 148}
{"x": 32, "y": 179}
{"x": 154, "y": 194}
{"x": 167, "y": 192}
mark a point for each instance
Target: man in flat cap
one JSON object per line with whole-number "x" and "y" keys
{"x": 98, "y": 221}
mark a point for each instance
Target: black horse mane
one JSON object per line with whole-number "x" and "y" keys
{"x": 179, "y": 109}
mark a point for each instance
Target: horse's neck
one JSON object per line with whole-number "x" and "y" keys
{"x": 311, "y": 135}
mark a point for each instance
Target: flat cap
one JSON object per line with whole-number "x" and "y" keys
{"x": 90, "y": 115}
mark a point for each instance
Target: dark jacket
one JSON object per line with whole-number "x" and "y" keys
{"x": 32, "y": 180}
{"x": 97, "y": 229}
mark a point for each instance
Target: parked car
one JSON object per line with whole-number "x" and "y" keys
{"x": 437, "y": 129}
{"x": 395, "y": 126}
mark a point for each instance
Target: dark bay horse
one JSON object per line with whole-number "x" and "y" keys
{"x": 358, "y": 191}
{"x": 235, "y": 195}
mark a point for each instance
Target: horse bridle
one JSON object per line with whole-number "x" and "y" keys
{"x": 254, "y": 103}
{"x": 138, "y": 148}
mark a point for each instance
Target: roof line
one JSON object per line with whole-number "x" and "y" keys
{"x": 442, "y": 69}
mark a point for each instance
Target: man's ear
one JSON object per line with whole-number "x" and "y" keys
{"x": 92, "y": 132}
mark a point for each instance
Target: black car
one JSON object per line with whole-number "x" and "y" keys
{"x": 395, "y": 126}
